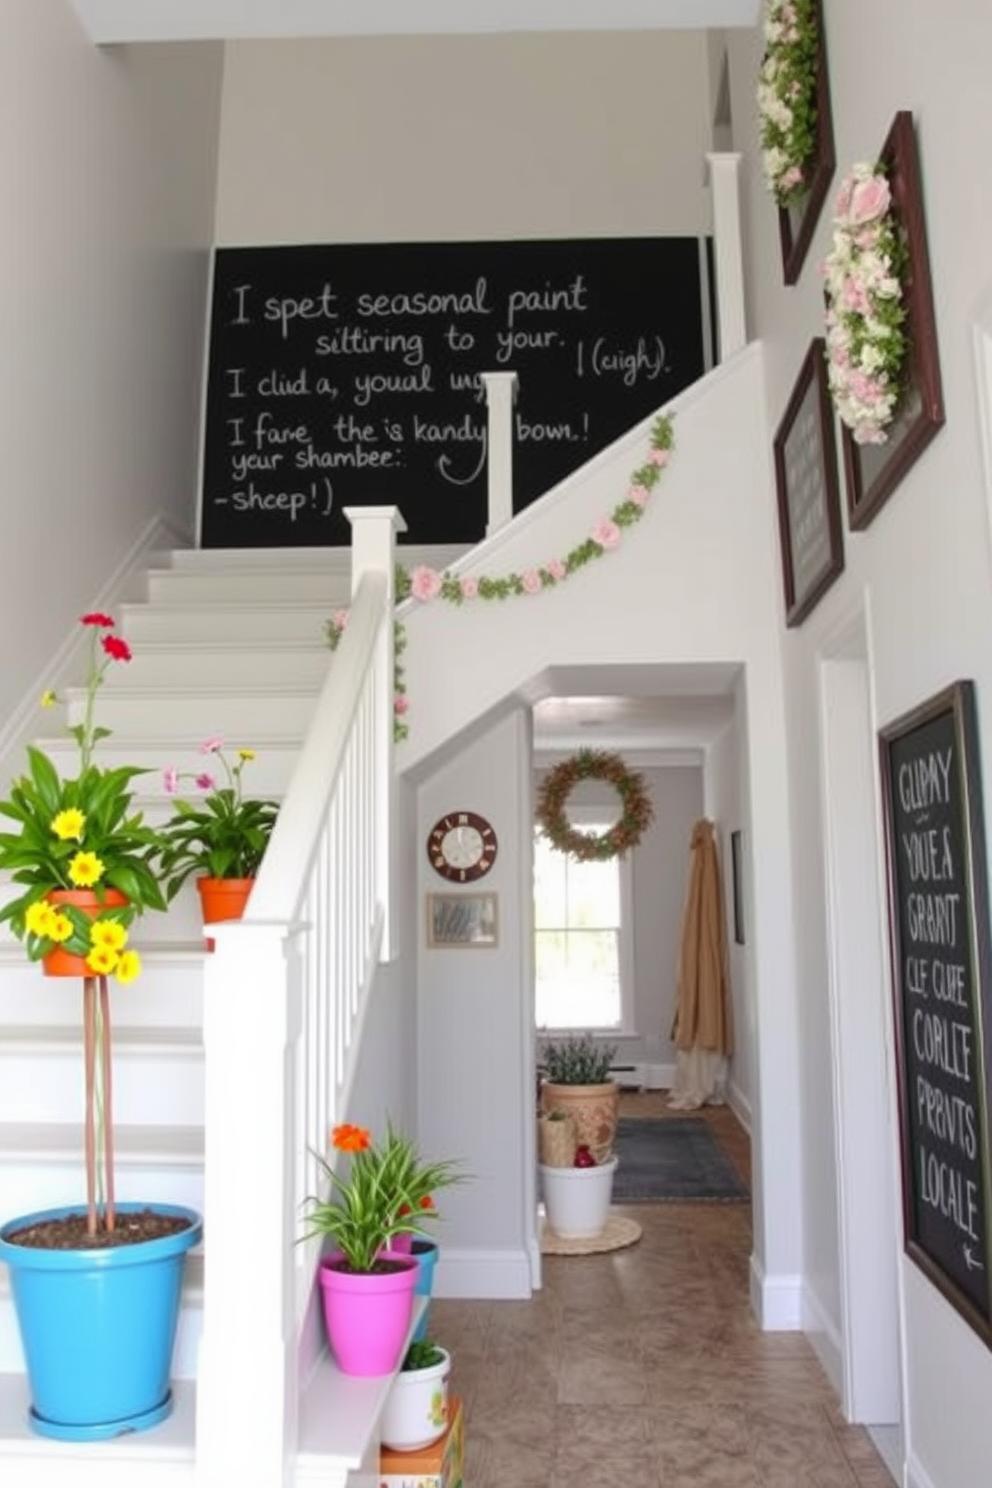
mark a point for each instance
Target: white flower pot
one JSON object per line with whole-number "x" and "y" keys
{"x": 416, "y": 1412}
{"x": 577, "y": 1200}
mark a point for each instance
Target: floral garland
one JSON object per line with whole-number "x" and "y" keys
{"x": 557, "y": 786}
{"x": 424, "y": 583}
{"x": 787, "y": 96}
{"x": 866, "y": 344}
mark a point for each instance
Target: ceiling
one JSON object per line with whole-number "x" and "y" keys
{"x": 673, "y": 709}
{"x": 109, "y": 21}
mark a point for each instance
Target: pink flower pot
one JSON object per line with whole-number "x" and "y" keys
{"x": 368, "y": 1314}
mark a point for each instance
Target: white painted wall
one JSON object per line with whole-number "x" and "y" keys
{"x": 108, "y": 164}
{"x": 723, "y": 776}
{"x": 923, "y": 564}
{"x": 446, "y": 138}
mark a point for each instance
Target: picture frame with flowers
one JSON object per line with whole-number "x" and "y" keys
{"x": 876, "y": 461}
{"x": 796, "y": 123}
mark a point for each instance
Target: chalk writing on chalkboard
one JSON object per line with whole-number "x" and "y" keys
{"x": 940, "y": 962}
{"x": 349, "y": 375}
{"x": 808, "y": 490}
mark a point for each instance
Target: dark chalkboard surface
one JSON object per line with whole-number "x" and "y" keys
{"x": 938, "y": 915}
{"x": 347, "y": 375}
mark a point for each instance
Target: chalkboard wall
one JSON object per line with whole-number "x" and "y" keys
{"x": 348, "y": 375}
{"x": 940, "y": 958}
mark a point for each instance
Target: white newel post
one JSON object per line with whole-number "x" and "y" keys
{"x": 246, "y": 1406}
{"x": 373, "y": 549}
{"x": 501, "y": 392}
{"x": 724, "y": 179}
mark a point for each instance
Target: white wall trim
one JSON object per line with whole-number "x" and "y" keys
{"x": 492, "y": 1275}
{"x": 776, "y": 1301}
{"x": 916, "y": 1474}
{"x": 740, "y": 1105}
{"x": 824, "y": 1338}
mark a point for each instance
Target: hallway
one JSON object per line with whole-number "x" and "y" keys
{"x": 644, "y": 1367}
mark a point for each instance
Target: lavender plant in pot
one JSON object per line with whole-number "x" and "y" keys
{"x": 576, "y": 1069}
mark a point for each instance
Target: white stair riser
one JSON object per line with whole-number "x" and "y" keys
{"x": 336, "y": 560}
{"x": 268, "y": 774}
{"x": 152, "y": 1087}
{"x": 29, "y": 1184}
{"x": 146, "y": 624}
{"x": 239, "y": 716}
{"x": 175, "y": 667}
{"x": 184, "y": 1353}
{"x": 176, "y": 587}
{"x": 180, "y": 924}
{"x": 168, "y": 994}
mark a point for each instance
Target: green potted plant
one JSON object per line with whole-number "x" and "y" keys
{"x": 576, "y": 1080}
{"x": 86, "y": 865}
{"x": 222, "y": 839}
{"x": 367, "y": 1286}
{"x": 416, "y": 1411}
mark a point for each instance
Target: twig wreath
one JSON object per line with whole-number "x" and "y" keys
{"x": 557, "y": 786}
{"x": 424, "y": 583}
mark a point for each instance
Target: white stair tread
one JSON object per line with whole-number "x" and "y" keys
{"x": 171, "y": 1146}
{"x": 47, "y": 1038}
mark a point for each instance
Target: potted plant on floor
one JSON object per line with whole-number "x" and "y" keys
{"x": 222, "y": 839}
{"x": 86, "y": 865}
{"x": 416, "y": 1409}
{"x": 576, "y": 1070}
{"x": 367, "y": 1286}
{"x": 577, "y": 1197}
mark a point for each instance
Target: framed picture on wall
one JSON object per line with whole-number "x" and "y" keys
{"x": 737, "y": 876}
{"x": 809, "y": 520}
{"x": 797, "y": 222}
{"x": 465, "y": 921}
{"x": 872, "y": 471}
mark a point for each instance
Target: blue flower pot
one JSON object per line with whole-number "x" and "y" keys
{"x": 425, "y": 1254}
{"x": 98, "y": 1327}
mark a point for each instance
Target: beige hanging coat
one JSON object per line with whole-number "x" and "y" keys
{"x": 703, "y": 1013}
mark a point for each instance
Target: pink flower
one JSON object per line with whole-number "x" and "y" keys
{"x": 170, "y": 780}
{"x": 530, "y": 581}
{"x": 638, "y": 495}
{"x": 400, "y": 705}
{"x": 205, "y": 782}
{"x": 340, "y": 619}
{"x": 870, "y": 199}
{"x": 606, "y": 533}
{"x": 469, "y": 588}
{"x": 843, "y": 203}
{"x": 792, "y": 177}
{"x": 557, "y": 569}
{"x": 425, "y": 583}
{"x": 659, "y": 457}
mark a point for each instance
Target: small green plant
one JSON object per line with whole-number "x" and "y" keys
{"x": 422, "y": 1354}
{"x": 224, "y": 837}
{"x": 577, "y": 1059}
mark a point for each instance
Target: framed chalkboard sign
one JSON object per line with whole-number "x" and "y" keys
{"x": 809, "y": 520}
{"x": 349, "y": 375}
{"x": 939, "y": 929}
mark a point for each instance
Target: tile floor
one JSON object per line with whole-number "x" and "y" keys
{"x": 644, "y": 1367}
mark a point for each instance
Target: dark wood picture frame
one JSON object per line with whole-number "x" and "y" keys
{"x": 940, "y": 964}
{"x": 796, "y": 224}
{"x": 873, "y": 471}
{"x": 737, "y": 878}
{"x": 811, "y": 532}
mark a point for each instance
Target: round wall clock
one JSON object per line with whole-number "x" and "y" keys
{"x": 462, "y": 846}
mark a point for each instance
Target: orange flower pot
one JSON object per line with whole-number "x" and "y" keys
{"x": 63, "y": 963}
{"x": 223, "y": 899}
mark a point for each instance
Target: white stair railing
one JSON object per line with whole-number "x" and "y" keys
{"x": 284, "y": 998}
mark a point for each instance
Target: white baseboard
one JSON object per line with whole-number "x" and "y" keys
{"x": 776, "y": 1301}
{"x": 740, "y": 1105}
{"x": 916, "y": 1474}
{"x": 483, "y": 1274}
{"x": 824, "y": 1339}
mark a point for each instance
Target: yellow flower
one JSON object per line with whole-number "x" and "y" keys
{"x": 60, "y": 927}
{"x": 128, "y": 967}
{"x": 246, "y": 754}
{"x": 108, "y": 934}
{"x": 102, "y": 960}
{"x": 38, "y": 917}
{"x": 85, "y": 870}
{"x": 48, "y": 699}
{"x": 69, "y": 824}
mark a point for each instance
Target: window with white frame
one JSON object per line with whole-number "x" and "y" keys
{"x": 581, "y": 937}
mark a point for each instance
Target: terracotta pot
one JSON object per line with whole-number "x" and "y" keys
{"x": 593, "y": 1109}
{"x": 223, "y": 899}
{"x": 63, "y": 963}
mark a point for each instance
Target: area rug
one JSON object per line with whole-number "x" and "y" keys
{"x": 662, "y": 1158}
{"x": 619, "y": 1232}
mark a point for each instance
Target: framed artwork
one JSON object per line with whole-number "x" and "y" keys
{"x": 809, "y": 520}
{"x": 797, "y": 223}
{"x": 940, "y": 957}
{"x": 465, "y": 921}
{"x": 873, "y": 471}
{"x": 737, "y": 872}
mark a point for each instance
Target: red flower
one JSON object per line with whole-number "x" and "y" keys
{"x": 98, "y": 618}
{"x": 348, "y": 1138}
{"x": 115, "y": 647}
{"x": 403, "y": 1210}
{"x": 427, "y": 1202}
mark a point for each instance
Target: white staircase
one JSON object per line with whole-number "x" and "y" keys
{"x": 229, "y": 644}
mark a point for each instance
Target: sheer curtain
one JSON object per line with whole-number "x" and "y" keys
{"x": 702, "y": 1029}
